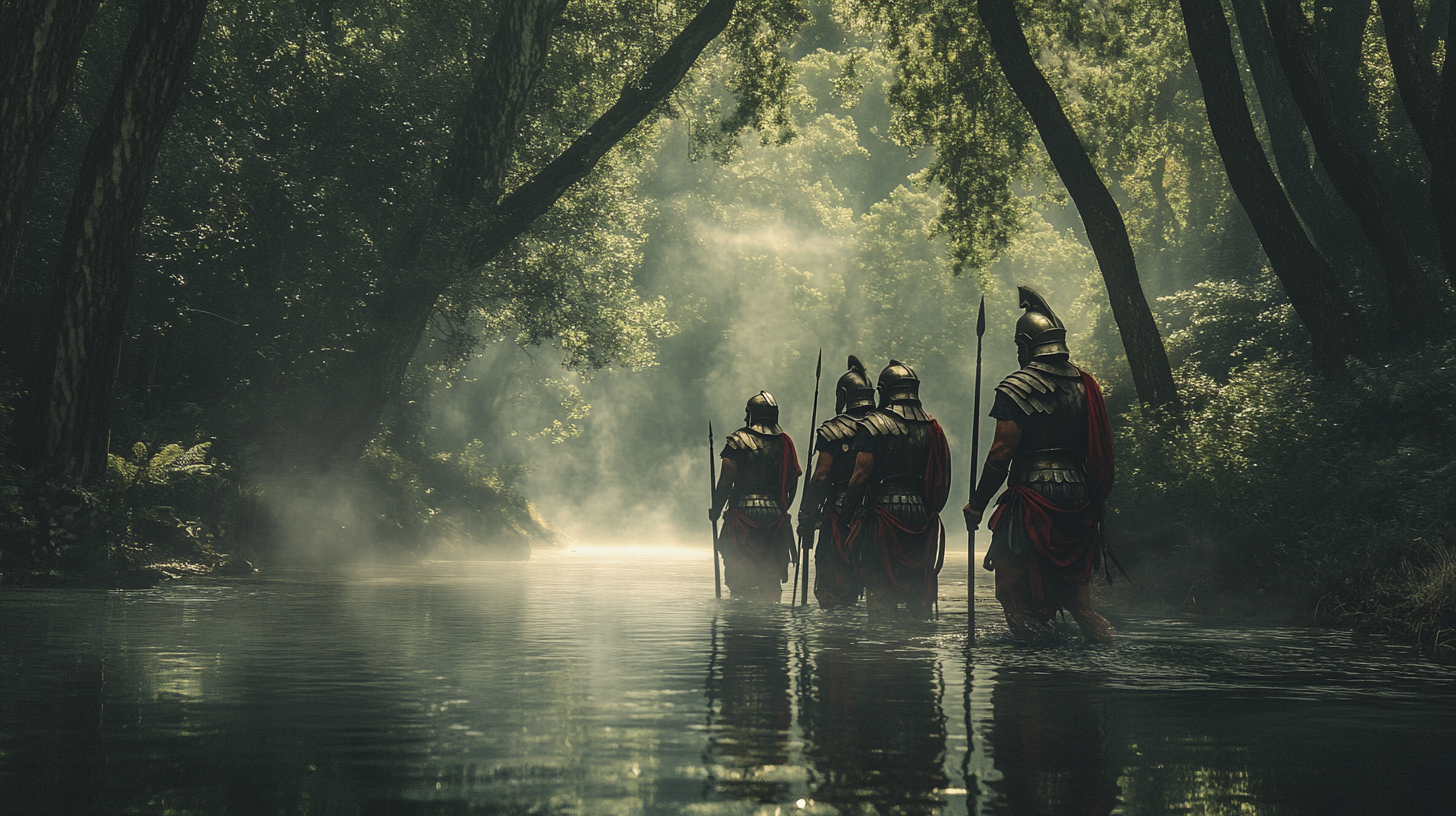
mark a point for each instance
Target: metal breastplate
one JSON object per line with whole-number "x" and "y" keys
{"x": 757, "y": 482}
{"x": 1054, "y": 445}
{"x": 900, "y": 460}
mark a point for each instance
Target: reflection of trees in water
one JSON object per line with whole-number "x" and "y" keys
{"x": 1048, "y": 744}
{"x": 875, "y": 729}
{"x": 749, "y": 712}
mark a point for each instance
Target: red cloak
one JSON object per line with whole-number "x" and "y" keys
{"x": 912, "y": 556}
{"x": 1067, "y": 539}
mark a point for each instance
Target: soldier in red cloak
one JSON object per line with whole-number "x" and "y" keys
{"x": 900, "y": 483}
{"x": 836, "y": 577}
{"x": 758, "y": 481}
{"x": 1054, "y": 441}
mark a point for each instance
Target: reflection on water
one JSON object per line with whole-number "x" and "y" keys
{"x": 612, "y": 682}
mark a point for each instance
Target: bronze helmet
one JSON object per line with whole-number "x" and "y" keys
{"x": 898, "y": 383}
{"x": 1039, "y": 332}
{"x": 762, "y": 414}
{"x": 854, "y": 389}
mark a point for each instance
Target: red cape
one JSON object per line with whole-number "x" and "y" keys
{"x": 1068, "y": 539}
{"x": 918, "y": 552}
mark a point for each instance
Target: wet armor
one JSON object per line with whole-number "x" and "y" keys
{"x": 901, "y": 542}
{"x": 836, "y": 580}
{"x": 1048, "y": 399}
{"x": 757, "y": 542}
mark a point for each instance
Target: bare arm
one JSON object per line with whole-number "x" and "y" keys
{"x": 726, "y": 476}
{"x": 864, "y": 465}
{"x": 993, "y": 475}
{"x": 814, "y": 493}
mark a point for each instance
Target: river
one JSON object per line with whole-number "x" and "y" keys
{"x": 609, "y": 681}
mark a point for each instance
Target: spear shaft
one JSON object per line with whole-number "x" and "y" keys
{"x": 712, "y": 498}
{"x": 806, "y": 538}
{"x": 975, "y": 455}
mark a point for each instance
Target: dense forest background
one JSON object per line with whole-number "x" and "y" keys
{"x": 332, "y": 279}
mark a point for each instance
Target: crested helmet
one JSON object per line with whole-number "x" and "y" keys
{"x": 854, "y": 389}
{"x": 1039, "y": 332}
{"x": 898, "y": 384}
{"x": 762, "y": 414}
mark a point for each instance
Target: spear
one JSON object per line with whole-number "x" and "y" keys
{"x": 975, "y": 454}
{"x": 712, "y": 491}
{"x": 806, "y": 537}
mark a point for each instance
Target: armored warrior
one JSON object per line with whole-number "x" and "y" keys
{"x": 900, "y": 482}
{"x": 1054, "y": 441}
{"x": 837, "y": 581}
{"x": 758, "y": 480}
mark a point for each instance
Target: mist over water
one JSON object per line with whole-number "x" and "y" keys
{"x": 823, "y": 243}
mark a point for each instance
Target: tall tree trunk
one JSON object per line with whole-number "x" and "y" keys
{"x": 64, "y": 425}
{"x": 372, "y": 380}
{"x": 1420, "y": 85}
{"x": 1336, "y": 329}
{"x": 40, "y": 42}
{"x": 1151, "y": 374}
{"x": 1327, "y": 218}
{"x": 1352, "y": 173}
{"x": 1443, "y": 159}
{"x": 1438, "y": 17}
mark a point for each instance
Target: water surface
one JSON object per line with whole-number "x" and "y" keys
{"x": 609, "y": 681}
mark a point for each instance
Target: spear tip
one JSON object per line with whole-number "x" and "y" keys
{"x": 981, "y": 318}
{"x": 819, "y": 366}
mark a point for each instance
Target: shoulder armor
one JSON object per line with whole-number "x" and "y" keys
{"x": 744, "y": 439}
{"x": 914, "y": 413}
{"x": 880, "y": 423}
{"x": 839, "y": 428}
{"x": 1033, "y": 390}
{"x": 1061, "y": 368}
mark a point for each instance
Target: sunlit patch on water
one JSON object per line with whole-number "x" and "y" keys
{"x": 608, "y": 680}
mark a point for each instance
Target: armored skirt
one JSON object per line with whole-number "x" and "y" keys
{"x": 1050, "y": 528}
{"x": 836, "y": 578}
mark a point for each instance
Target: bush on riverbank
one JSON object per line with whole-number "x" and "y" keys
{"x": 1330, "y": 497}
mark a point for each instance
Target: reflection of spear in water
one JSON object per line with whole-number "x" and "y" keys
{"x": 975, "y": 452}
{"x": 806, "y": 537}
{"x": 713, "y": 501}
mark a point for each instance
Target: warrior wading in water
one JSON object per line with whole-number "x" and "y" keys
{"x": 758, "y": 481}
{"x": 900, "y": 482}
{"x": 836, "y": 581}
{"x": 1053, "y": 438}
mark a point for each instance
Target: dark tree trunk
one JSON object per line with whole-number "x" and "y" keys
{"x": 1420, "y": 86}
{"x": 65, "y": 423}
{"x": 366, "y": 387}
{"x": 40, "y": 42}
{"x": 1336, "y": 329}
{"x": 1437, "y": 19}
{"x": 1443, "y": 159}
{"x": 1352, "y": 173}
{"x": 1326, "y": 216}
{"x": 1152, "y": 376}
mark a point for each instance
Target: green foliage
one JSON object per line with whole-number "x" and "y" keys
{"x": 1336, "y": 492}
{"x": 456, "y": 501}
{"x": 157, "y": 514}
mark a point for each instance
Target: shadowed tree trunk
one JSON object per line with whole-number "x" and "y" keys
{"x": 1352, "y": 173}
{"x": 1420, "y": 85}
{"x": 1437, "y": 20}
{"x": 354, "y": 401}
{"x": 1336, "y": 328}
{"x": 40, "y": 41}
{"x": 1443, "y": 160}
{"x": 1326, "y": 216}
{"x": 1151, "y": 374}
{"x": 64, "y": 424}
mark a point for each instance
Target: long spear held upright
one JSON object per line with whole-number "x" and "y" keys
{"x": 975, "y": 457}
{"x": 806, "y": 537}
{"x": 712, "y": 490}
